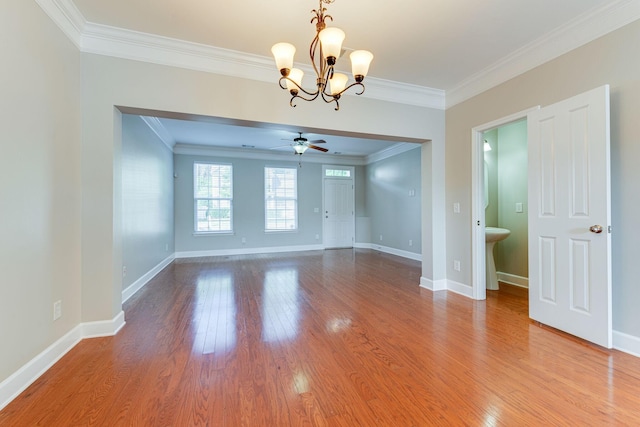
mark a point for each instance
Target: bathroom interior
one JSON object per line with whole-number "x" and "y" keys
{"x": 505, "y": 163}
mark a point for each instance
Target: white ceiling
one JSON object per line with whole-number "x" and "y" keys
{"x": 439, "y": 44}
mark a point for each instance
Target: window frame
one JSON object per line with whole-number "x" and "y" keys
{"x": 197, "y": 232}
{"x": 293, "y": 199}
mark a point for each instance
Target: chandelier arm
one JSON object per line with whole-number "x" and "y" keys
{"x": 331, "y": 98}
{"x": 349, "y": 87}
{"x": 314, "y": 94}
{"x": 312, "y": 55}
{"x": 312, "y": 98}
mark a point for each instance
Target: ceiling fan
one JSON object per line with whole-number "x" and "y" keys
{"x": 300, "y": 144}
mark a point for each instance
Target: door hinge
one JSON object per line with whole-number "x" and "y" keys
{"x": 609, "y": 229}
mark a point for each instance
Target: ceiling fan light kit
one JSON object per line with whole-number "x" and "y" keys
{"x": 324, "y": 52}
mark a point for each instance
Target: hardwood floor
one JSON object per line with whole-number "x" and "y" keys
{"x": 333, "y": 338}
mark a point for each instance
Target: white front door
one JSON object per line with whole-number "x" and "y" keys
{"x": 339, "y": 215}
{"x": 569, "y": 216}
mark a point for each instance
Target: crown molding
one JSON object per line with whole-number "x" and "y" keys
{"x": 574, "y": 34}
{"x": 105, "y": 40}
{"x": 161, "y": 132}
{"x": 67, "y": 17}
{"x": 122, "y": 43}
{"x": 203, "y": 150}
{"x": 394, "y": 150}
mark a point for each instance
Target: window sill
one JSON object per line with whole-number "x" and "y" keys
{"x": 280, "y": 231}
{"x": 213, "y": 233}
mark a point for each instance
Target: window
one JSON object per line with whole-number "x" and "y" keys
{"x": 281, "y": 199}
{"x": 213, "y": 197}
{"x": 343, "y": 173}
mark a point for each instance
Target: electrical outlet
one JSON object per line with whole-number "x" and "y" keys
{"x": 124, "y": 271}
{"x": 456, "y": 265}
{"x": 244, "y": 240}
{"x": 381, "y": 237}
{"x": 410, "y": 242}
{"x": 317, "y": 237}
{"x": 456, "y": 207}
{"x": 166, "y": 247}
{"x": 57, "y": 310}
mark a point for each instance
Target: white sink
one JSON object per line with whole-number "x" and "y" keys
{"x": 492, "y": 236}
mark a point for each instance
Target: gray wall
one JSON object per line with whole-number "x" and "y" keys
{"x": 147, "y": 199}
{"x": 381, "y": 192}
{"x": 40, "y": 250}
{"x": 393, "y": 212}
{"x": 248, "y": 206}
{"x": 613, "y": 59}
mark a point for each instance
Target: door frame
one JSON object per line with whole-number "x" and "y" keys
{"x": 352, "y": 178}
{"x": 478, "y": 245}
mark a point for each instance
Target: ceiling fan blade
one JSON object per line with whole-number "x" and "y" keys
{"x": 324, "y": 150}
{"x": 279, "y": 146}
{"x": 318, "y": 141}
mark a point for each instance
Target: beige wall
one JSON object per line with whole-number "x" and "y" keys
{"x": 612, "y": 59}
{"x": 39, "y": 183}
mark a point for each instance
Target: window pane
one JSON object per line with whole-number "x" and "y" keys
{"x": 213, "y": 195}
{"x": 346, "y": 173}
{"x": 281, "y": 193}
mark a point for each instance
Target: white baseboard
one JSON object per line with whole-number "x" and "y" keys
{"x": 139, "y": 284}
{"x": 11, "y": 387}
{"x": 388, "y": 250}
{"x": 514, "y": 280}
{"x": 433, "y": 285}
{"x": 626, "y": 343}
{"x": 460, "y": 288}
{"x": 248, "y": 251}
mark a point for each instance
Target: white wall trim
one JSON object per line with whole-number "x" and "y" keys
{"x": 103, "y": 328}
{"x": 139, "y": 284}
{"x": 15, "y": 384}
{"x": 460, "y": 288}
{"x": 67, "y": 17}
{"x": 161, "y": 132}
{"x": 388, "y": 250}
{"x": 626, "y": 343}
{"x": 512, "y": 279}
{"x": 575, "y": 33}
{"x": 394, "y": 150}
{"x": 248, "y": 251}
{"x": 433, "y": 285}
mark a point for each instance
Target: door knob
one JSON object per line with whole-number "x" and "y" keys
{"x": 596, "y": 229}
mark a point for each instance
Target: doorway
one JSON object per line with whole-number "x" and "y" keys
{"x": 506, "y": 187}
{"x": 338, "y": 210}
{"x": 480, "y": 193}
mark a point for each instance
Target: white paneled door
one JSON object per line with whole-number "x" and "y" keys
{"x": 339, "y": 220}
{"x": 569, "y": 216}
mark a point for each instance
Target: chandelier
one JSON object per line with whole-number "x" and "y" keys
{"x": 324, "y": 51}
